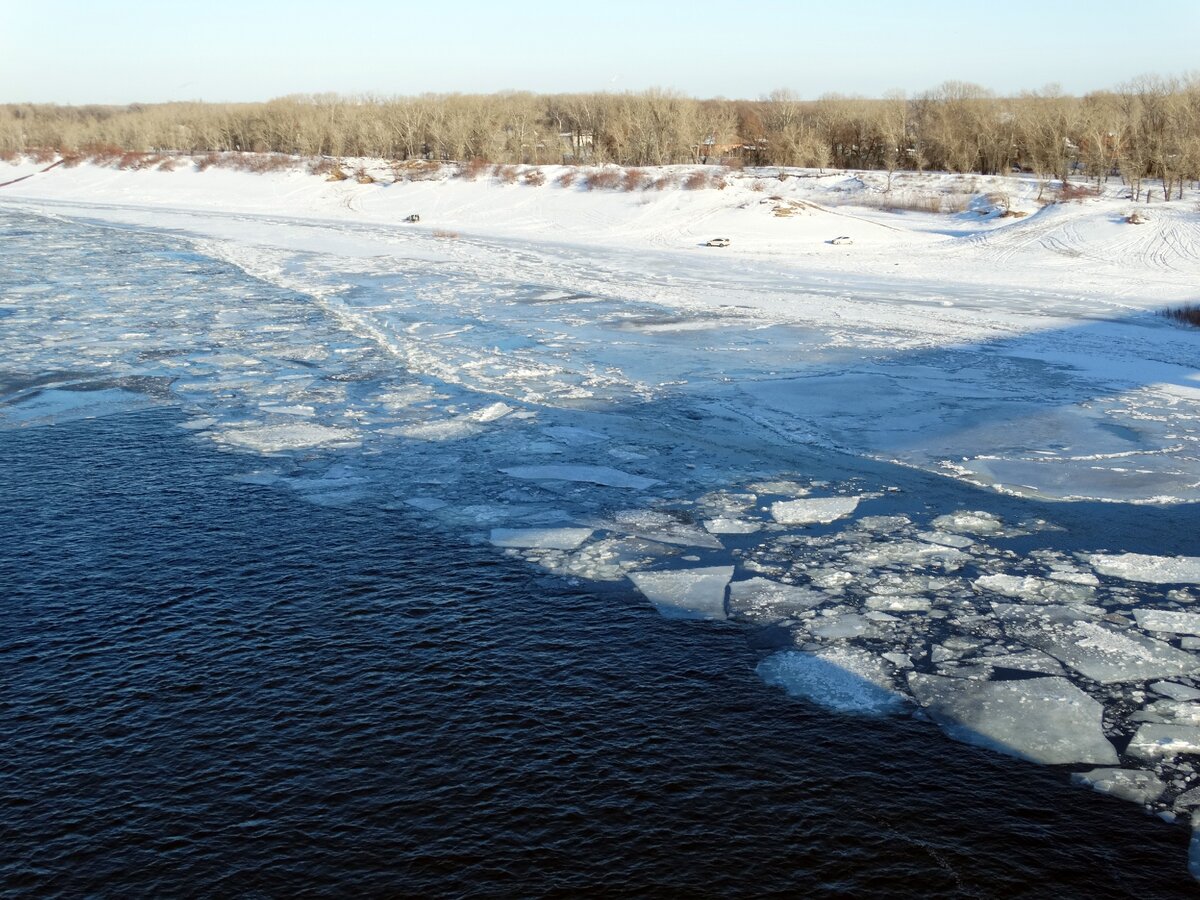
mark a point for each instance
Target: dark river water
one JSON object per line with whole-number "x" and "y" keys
{"x": 214, "y": 689}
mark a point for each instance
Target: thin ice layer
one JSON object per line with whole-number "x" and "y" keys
{"x": 686, "y": 593}
{"x": 845, "y": 679}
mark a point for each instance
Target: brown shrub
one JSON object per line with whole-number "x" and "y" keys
{"x": 10, "y": 156}
{"x": 603, "y": 179}
{"x": 362, "y": 176}
{"x": 1188, "y": 314}
{"x": 506, "y": 174}
{"x": 445, "y": 235}
{"x": 322, "y": 166}
{"x": 71, "y": 159}
{"x": 757, "y": 186}
{"x": 131, "y": 159}
{"x": 662, "y": 182}
{"x": 43, "y": 154}
{"x": 566, "y": 179}
{"x": 473, "y": 168}
{"x": 1074, "y": 193}
{"x": 695, "y": 181}
{"x": 167, "y": 165}
{"x": 207, "y": 161}
{"x": 635, "y": 180}
{"x": 416, "y": 170}
{"x": 337, "y": 173}
{"x": 535, "y": 177}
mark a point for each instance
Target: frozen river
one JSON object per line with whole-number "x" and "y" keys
{"x": 981, "y": 525}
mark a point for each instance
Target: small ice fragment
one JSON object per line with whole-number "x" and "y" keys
{"x": 976, "y": 522}
{"x": 540, "y": 538}
{"x": 601, "y": 475}
{"x": 899, "y": 603}
{"x": 686, "y": 593}
{"x": 1034, "y": 590}
{"x": 1167, "y": 620}
{"x": 945, "y": 539}
{"x": 844, "y": 626}
{"x": 426, "y": 503}
{"x": 1043, "y": 720}
{"x": 1154, "y": 741}
{"x": 723, "y": 525}
{"x": 489, "y": 413}
{"x": 1152, "y": 569}
{"x": 278, "y": 438}
{"x": 1135, "y": 785}
{"x": 845, "y": 679}
{"x": 813, "y": 510}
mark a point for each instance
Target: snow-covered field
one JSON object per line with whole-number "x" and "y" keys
{"x": 573, "y": 376}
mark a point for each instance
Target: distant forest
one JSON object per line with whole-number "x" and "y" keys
{"x": 1146, "y": 129}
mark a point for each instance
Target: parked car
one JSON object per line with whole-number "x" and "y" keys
{"x": 718, "y": 242}
{"x": 841, "y": 239}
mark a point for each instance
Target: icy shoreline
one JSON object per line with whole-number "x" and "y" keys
{"x": 608, "y": 400}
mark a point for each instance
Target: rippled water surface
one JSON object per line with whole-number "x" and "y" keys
{"x": 238, "y": 659}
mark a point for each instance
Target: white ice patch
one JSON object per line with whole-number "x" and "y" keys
{"x": 1135, "y": 785}
{"x": 723, "y": 525}
{"x": 813, "y": 510}
{"x": 602, "y": 475}
{"x": 540, "y": 538}
{"x": 970, "y": 522}
{"x": 1152, "y": 569}
{"x": 1034, "y": 590}
{"x": 281, "y": 438}
{"x": 1043, "y": 720}
{"x": 844, "y": 679}
{"x": 1168, "y": 621}
{"x": 1154, "y": 741}
{"x": 686, "y": 593}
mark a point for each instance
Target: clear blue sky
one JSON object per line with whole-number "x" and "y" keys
{"x": 71, "y": 51}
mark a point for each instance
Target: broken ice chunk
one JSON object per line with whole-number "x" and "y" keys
{"x": 279, "y": 438}
{"x": 1175, "y": 691}
{"x": 1034, "y": 590}
{"x": 1043, "y": 720}
{"x": 976, "y": 522}
{"x": 540, "y": 538}
{"x": 1135, "y": 785}
{"x": 812, "y": 510}
{"x": 845, "y": 679}
{"x": 957, "y": 541}
{"x": 898, "y": 603}
{"x": 1167, "y": 620}
{"x": 686, "y": 593}
{"x": 723, "y": 525}
{"x": 1152, "y": 569}
{"x": 602, "y": 475}
{"x": 847, "y": 625}
{"x": 1154, "y": 741}
{"x": 1098, "y": 650}
{"x": 763, "y": 600}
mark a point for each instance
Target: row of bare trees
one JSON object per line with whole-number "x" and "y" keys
{"x": 1146, "y": 129}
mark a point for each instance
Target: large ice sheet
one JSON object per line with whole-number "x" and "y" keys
{"x": 1043, "y": 720}
{"x": 845, "y": 679}
{"x": 1152, "y": 569}
{"x": 812, "y": 510}
{"x": 1099, "y": 650}
{"x": 602, "y": 475}
{"x": 686, "y": 593}
{"x": 280, "y": 438}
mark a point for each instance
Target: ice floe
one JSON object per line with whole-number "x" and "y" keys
{"x": 1152, "y": 569}
{"x": 1135, "y": 785}
{"x": 540, "y": 538}
{"x": 1044, "y": 720}
{"x": 813, "y": 510}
